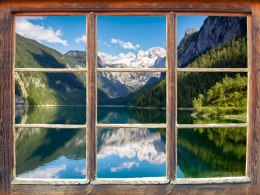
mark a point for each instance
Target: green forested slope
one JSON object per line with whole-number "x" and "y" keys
{"x": 225, "y": 99}
{"x": 44, "y": 88}
{"x": 190, "y": 84}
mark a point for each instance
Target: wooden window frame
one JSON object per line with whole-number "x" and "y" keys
{"x": 245, "y": 184}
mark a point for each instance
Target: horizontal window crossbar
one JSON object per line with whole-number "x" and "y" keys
{"x": 53, "y": 126}
{"x": 220, "y": 125}
{"x": 132, "y": 69}
{"x": 212, "y": 69}
{"x": 50, "y": 70}
{"x": 131, "y": 125}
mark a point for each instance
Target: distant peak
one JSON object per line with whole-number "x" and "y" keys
{"x": 74, "y": 52}
{"x": 191, "y": 31}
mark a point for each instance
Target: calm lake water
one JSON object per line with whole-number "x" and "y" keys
{"x": 123, "y": 152}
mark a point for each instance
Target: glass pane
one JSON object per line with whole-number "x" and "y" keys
{"x": 212, "y": 42}
{"x": 50, "y": 153}
{"x": 131, "y": 41}
{"x": 131, "y": 153}
{"x": 219, "y": 152}
{"x": 131, "y": 97}
{"x": 212, "y": 98}
{"x": 50, "y": 42}
{"x": 54, "y": 98}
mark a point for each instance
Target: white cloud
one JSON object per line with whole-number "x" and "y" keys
{"x": 124, "y": 44}
{"x": 45, "y": 172}
{"x": 39, "y": 33}
{"x": 81, "y": 39}
{"x": 124, "y": 165}
{"x": 82, "y": 171}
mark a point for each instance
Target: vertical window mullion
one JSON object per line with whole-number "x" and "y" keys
{"x": 171, "y": 97}
{"x": 91, "y": 97}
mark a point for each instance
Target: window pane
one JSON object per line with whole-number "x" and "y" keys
{"x": 212, "y": 42}
{"x": 54, "y": 98}
{"x": 50, "y": 153}
{"x": 131, "y": 41}
{"x": 212, "y": 98}
{"x": 131, "y": 97}
{"x": 131, "y": 153}
{"x": 50, "y": 42}
{"x": 219, "y": 152}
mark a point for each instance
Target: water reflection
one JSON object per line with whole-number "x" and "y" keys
{"x": 50, "y": 114}
{"x": 185, "y": 117}
{"x": 211, "y": 152}
{"x": 126, "y": 115}
{"x": 50, "y": 153}
{"x": 123, "y": 152}
{"x": 131, "y": 152}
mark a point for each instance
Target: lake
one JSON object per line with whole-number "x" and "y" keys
{"x": 124, "y": 152}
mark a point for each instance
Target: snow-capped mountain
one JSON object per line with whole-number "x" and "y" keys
{"x": 120, "y": 84}
{"x": 143, "y": 59}
{"x": 151, "y": 58}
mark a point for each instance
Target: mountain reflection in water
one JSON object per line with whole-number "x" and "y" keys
{"x": 123, "y": 152}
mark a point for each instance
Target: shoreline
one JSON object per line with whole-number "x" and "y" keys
{"x": 106, "y": 106}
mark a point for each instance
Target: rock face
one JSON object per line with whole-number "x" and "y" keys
{"x": 215, "y": 31}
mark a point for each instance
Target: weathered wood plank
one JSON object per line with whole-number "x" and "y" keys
{"x": 50, "y": 70}
{"x": 31, "y": 181}
{"x": 212, "y": 69}
{"x": 52, "y": 126}
{"x": 255, "y": 84}
{"x": 91, "y": 97}
{"x": 211, "y": 189}
{"x": 171, "y": 144}
{"x": 131, "y": 69}
{"x": 233, "y": 6}
{"x": 131, "y": 125}
{"x": 6, "y": 133}
{"x": 220, "y": 125}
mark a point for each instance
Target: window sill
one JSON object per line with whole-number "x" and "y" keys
{"x": 216, "y": 180}
{"x": 31, "y": 181}
{"x": 133, "y": 181}
{"x": 125, "y": 181}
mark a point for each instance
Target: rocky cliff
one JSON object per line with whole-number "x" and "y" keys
{"x": 214, "y": 31}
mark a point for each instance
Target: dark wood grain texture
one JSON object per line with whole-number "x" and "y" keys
{"x": 224, "y": 189}
{"x": 91, "y": 100}
{"x": 133, "y": 5}
{"x": 6, "y": 135}
{"x": 255, "y": 131}
{"x": 171, "y": 98}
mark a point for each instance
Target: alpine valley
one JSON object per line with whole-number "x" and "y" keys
{"x": 135, "y": 98}
{"x": 220, "y": 43}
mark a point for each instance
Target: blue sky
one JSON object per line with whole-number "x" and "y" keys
{"x": 143, "y": 32}
{"x": 185, "y": 22}
{"x": 115, "y": 34}
{"x": 62, "y": 33}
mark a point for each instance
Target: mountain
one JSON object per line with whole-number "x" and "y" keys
{"x": 214, "y": 31}
{"x": 227, "y": 48}
{"x": 190, "y": 84}
{"x": 143, "y": 59}
{"x": 121, "y": 84}
{"x": 38, "y": 88}
{"x": 75, "y": 59}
